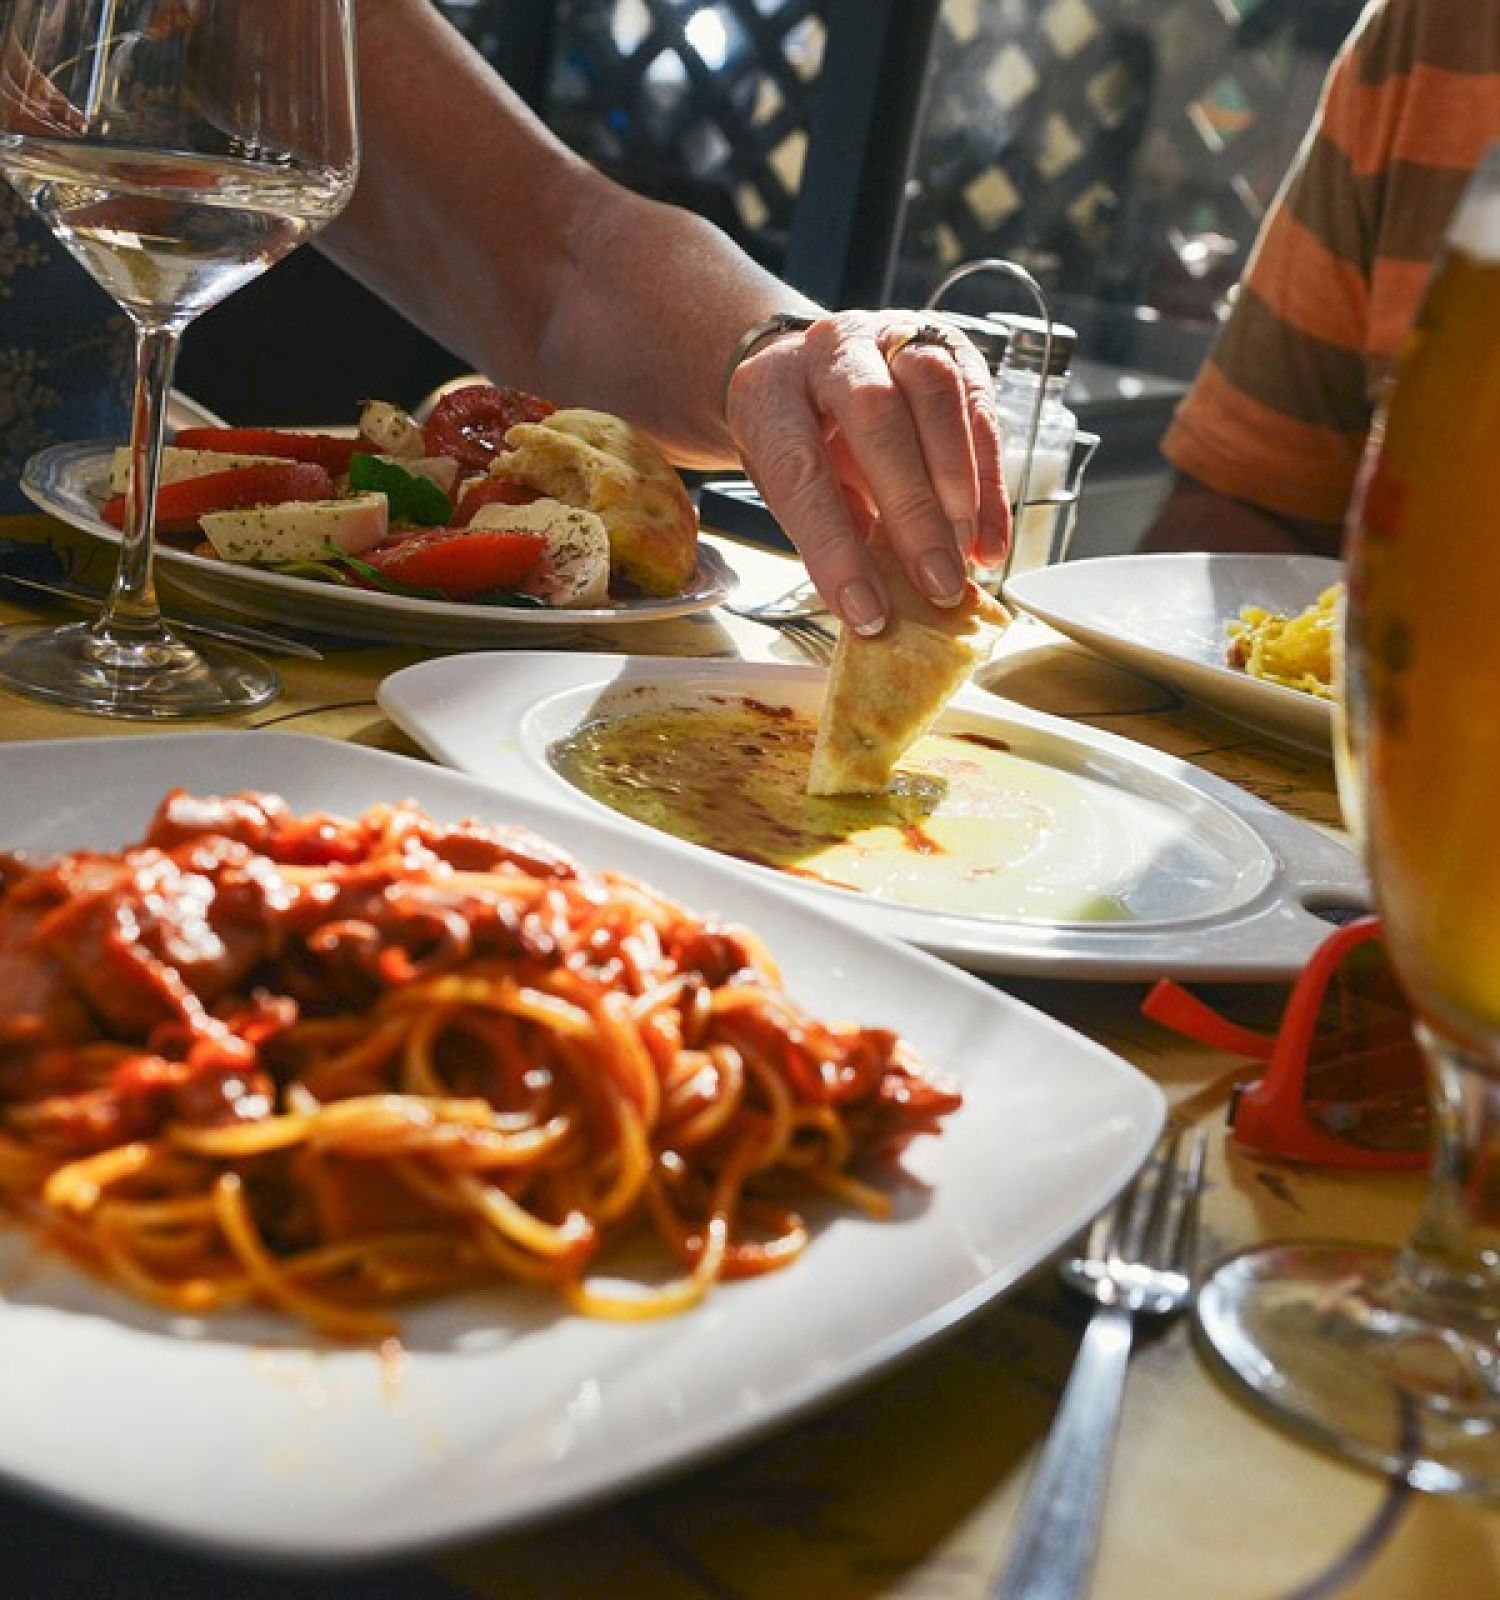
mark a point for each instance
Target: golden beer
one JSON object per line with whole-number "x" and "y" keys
{"x": 1424, "y": 645}
{"x": 1392, "y": 1357}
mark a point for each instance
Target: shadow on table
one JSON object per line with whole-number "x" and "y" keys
{"x": 47, "y": 1554}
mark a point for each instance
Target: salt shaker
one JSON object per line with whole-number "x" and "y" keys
{"x": 1035, "y": 372}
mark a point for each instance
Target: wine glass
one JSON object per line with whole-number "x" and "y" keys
{"x": 177, "y": 148}
{"x": 1392, "y": 1358}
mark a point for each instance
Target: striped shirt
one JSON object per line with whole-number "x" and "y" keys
{"x": 1279, "y": 413}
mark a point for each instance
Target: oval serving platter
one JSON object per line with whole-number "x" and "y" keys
{"x": 70, "y": 481}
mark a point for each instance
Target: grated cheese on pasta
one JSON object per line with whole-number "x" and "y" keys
{"x": 1294, "y": 651}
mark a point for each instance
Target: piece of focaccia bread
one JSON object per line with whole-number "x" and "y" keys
{"x": 600, "y": 463}
{"x": 885, "y": 692}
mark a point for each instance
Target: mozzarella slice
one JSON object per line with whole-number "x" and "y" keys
{"x": 179, "y": 465}
{"x": 393, "y": 432}
{"x": 298, "y": 530}
{"x": 574, "y": 568}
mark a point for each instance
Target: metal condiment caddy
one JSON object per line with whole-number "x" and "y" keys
{"x": 987, "y": 334}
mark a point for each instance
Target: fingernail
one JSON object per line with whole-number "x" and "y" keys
{"x": 942, "y": 577}
{"x": 860, "y": 607}
{"x": 963, "y": 531}
{"x": 993, "y": 544}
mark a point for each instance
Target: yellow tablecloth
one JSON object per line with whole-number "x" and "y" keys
{"x": 909, "y": 1487}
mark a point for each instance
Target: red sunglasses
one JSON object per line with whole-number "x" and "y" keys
{"x": 1345, "y": 1082}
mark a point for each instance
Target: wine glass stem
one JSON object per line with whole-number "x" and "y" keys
{"x": 1453, "y": 1256}
{"x": 131, "y": 611}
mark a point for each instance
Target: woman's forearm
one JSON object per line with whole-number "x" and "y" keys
{"x": 486, "y": 231}
{"x": 514, "y": 253}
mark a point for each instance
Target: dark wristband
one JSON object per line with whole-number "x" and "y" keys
{"x": 772, "y": 327}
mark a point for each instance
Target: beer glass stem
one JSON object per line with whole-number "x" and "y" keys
{"x": 131, "y": 616}
{"x": 1451, "y": 1264}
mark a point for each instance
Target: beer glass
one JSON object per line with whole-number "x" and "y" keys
{"x": 1393, "y": 1357}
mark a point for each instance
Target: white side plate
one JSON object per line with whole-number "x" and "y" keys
{"x": 244, "y": 1432}
{"x": 1167, "y": 616}
{"x": 1226, "y": 896}
{"x": 71, "y": 482}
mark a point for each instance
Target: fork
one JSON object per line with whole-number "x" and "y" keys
{"x": 795, "y": 619}
{"x": 1138, "y": 1258}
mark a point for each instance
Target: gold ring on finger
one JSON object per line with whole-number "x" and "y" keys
{"x": 924, "y": 333}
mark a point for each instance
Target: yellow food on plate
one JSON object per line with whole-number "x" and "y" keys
{"x": 600, "y": 463}
{"x": 1294, "y": 651}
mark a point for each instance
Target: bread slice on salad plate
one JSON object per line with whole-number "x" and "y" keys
{"x": 602, "y": 464}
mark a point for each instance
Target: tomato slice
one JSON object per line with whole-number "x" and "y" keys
{"x": 471, "y": 423}
{"x": 492, "y": 491}
{"x": 458, "y": 562}
{"x": 328, "y": 450}
{"x": 179, "y": 505}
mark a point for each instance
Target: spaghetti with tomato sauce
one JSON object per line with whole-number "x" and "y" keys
{"x": 329, "y": 1064}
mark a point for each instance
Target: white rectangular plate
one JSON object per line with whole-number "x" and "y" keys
{"x": 244, "y": 1433}
{"x": 1220, "y": 882}
{"x": 1167, "y": 617}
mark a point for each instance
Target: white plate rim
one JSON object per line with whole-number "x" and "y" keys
{"x": 57, "y": 479}
{"x": 1127, "y": 1108}
{"x": 1284, "y": 714}
{"x": 1268, "y": 940}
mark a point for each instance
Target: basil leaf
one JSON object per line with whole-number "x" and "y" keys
{"x": 412, "y": 497}
{"x": 315, "y": 571}
{"x": 338, "y": 565}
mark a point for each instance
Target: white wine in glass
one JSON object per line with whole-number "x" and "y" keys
{"x": 1392, "y": 1357}
{"x": 178, "y": 148}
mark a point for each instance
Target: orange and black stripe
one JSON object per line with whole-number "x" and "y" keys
{"x": 1279, "y": 414}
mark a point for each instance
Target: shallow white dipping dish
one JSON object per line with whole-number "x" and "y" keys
{"x": 1200, "y": 879}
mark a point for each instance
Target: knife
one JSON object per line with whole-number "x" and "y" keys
{"x": 230, "y": 632}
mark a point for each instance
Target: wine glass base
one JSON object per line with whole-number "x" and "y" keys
{"x": 1326, "y": 1339}
{"x": 154, "y": 678}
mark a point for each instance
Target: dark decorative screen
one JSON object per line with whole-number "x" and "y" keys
{"x": 705, "y": 104}
{"x": 1126, "y": 149}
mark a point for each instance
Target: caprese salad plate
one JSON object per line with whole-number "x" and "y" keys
{"x": 73, "y": 483}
